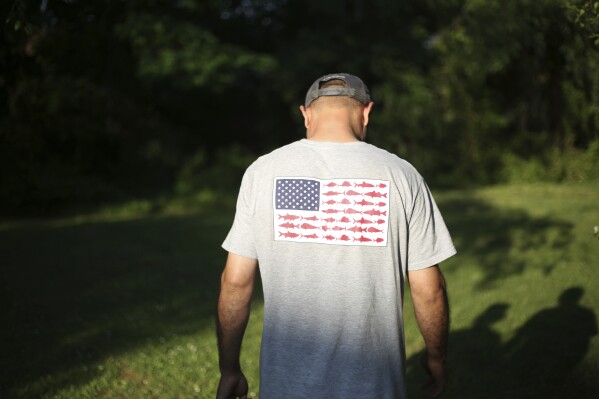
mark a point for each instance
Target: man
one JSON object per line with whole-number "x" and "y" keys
{"x": 335, "y": 224}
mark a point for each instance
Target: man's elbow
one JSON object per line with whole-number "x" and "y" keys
{"x": 232, "y": 283}
{"x": 431, "y": 288}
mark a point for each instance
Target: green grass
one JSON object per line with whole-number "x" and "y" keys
{"x": 120, "y": 303}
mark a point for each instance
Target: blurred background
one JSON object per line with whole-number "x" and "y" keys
{"x": 108, "y": 100}
{"x": 126, "y": 126}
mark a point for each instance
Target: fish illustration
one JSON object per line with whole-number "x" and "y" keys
{"x": 344, "y": 238}
{"x": 311, "y": 218}
{"x": 289, "y": 217}
{"x": 329, "y": 220}
{"x": 329, "y": 202}
{"x": 363, "y": 221}
{"x": 379, "y": 239}
{"x": 331, "y": 184}
{"x": 344, "y": 219}
{"x": 375, "y": 212}
{"x": 330, "y": 211}
{"x": 376, "y": 194}
{"x": 362, "y": 239}
{"x": 381, "y": 204}
{"x": 330, "y": 193}
{"x": 345, "y": 201}
{"x": 351, "y": 211}
{"x": 288, "y": 235}
{"x": 329, "y": 237}
{"x": 345, "y": 184}
{"x": 363, "y": 203}
{"x": 363, "y": 185}
{"x": 288, "y": 225}
{"x": 313, "y": 236}
{"x": 352, "y": 192}
{"x": 357, "y": 229}
{"x": 374, "y": 230}
{"x": 307, "y": 226}
{"x": 380, "y": 221}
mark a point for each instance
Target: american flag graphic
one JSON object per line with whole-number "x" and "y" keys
{"x": 331, "y": 211}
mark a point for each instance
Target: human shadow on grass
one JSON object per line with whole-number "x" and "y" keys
{"x": 542, "y": 360}
{"x": 504, "y": 242}
{"x": 75, "y": 295}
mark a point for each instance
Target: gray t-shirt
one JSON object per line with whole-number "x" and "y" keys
{"x": 335, "y": 227}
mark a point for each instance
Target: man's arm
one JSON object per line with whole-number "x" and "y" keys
{"x": 237, "y": 286}
{"x": 431, "y": 308}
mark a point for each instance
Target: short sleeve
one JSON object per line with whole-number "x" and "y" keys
{"x": 429, "y": 242}
{"x": 241, "y": 240}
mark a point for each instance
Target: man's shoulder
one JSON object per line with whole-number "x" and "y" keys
{"x": 392, "y": 160}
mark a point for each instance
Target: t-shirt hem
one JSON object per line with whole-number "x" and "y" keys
{"x": 433, "y": 260}
{"x": 237, "y": 251}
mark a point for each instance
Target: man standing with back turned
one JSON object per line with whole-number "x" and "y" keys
{"x": 336, "y": 225}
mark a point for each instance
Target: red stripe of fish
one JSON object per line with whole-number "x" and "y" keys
{"x": 329, "y": 202}
{"x": 363, "y": 184}
{"x": 363, "y": 221}
{"x": 331, "y": 184}
{"x": 362, "y": 239}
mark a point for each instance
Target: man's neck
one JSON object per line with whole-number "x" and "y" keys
{"x": 332, "y": 131}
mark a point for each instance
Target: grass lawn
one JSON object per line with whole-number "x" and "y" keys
{"x": 120, "y": 303}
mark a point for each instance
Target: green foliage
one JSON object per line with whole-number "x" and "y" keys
{"x": 167, "y": 48}
{"x": 570, "y": 166}
{"x": 105, "y": 100}
{"x": 223, "y": 174}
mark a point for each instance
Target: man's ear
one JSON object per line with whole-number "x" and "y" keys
{"x": 366, "y": 113}
{"x": 307, "y": 113}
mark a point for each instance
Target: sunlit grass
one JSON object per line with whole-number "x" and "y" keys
{"x": 119, "y": 303}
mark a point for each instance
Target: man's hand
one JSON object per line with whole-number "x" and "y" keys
{"x": 232, "y": 386}
{"x": 435, "y": 369}
{"x": 432, "y": 313}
